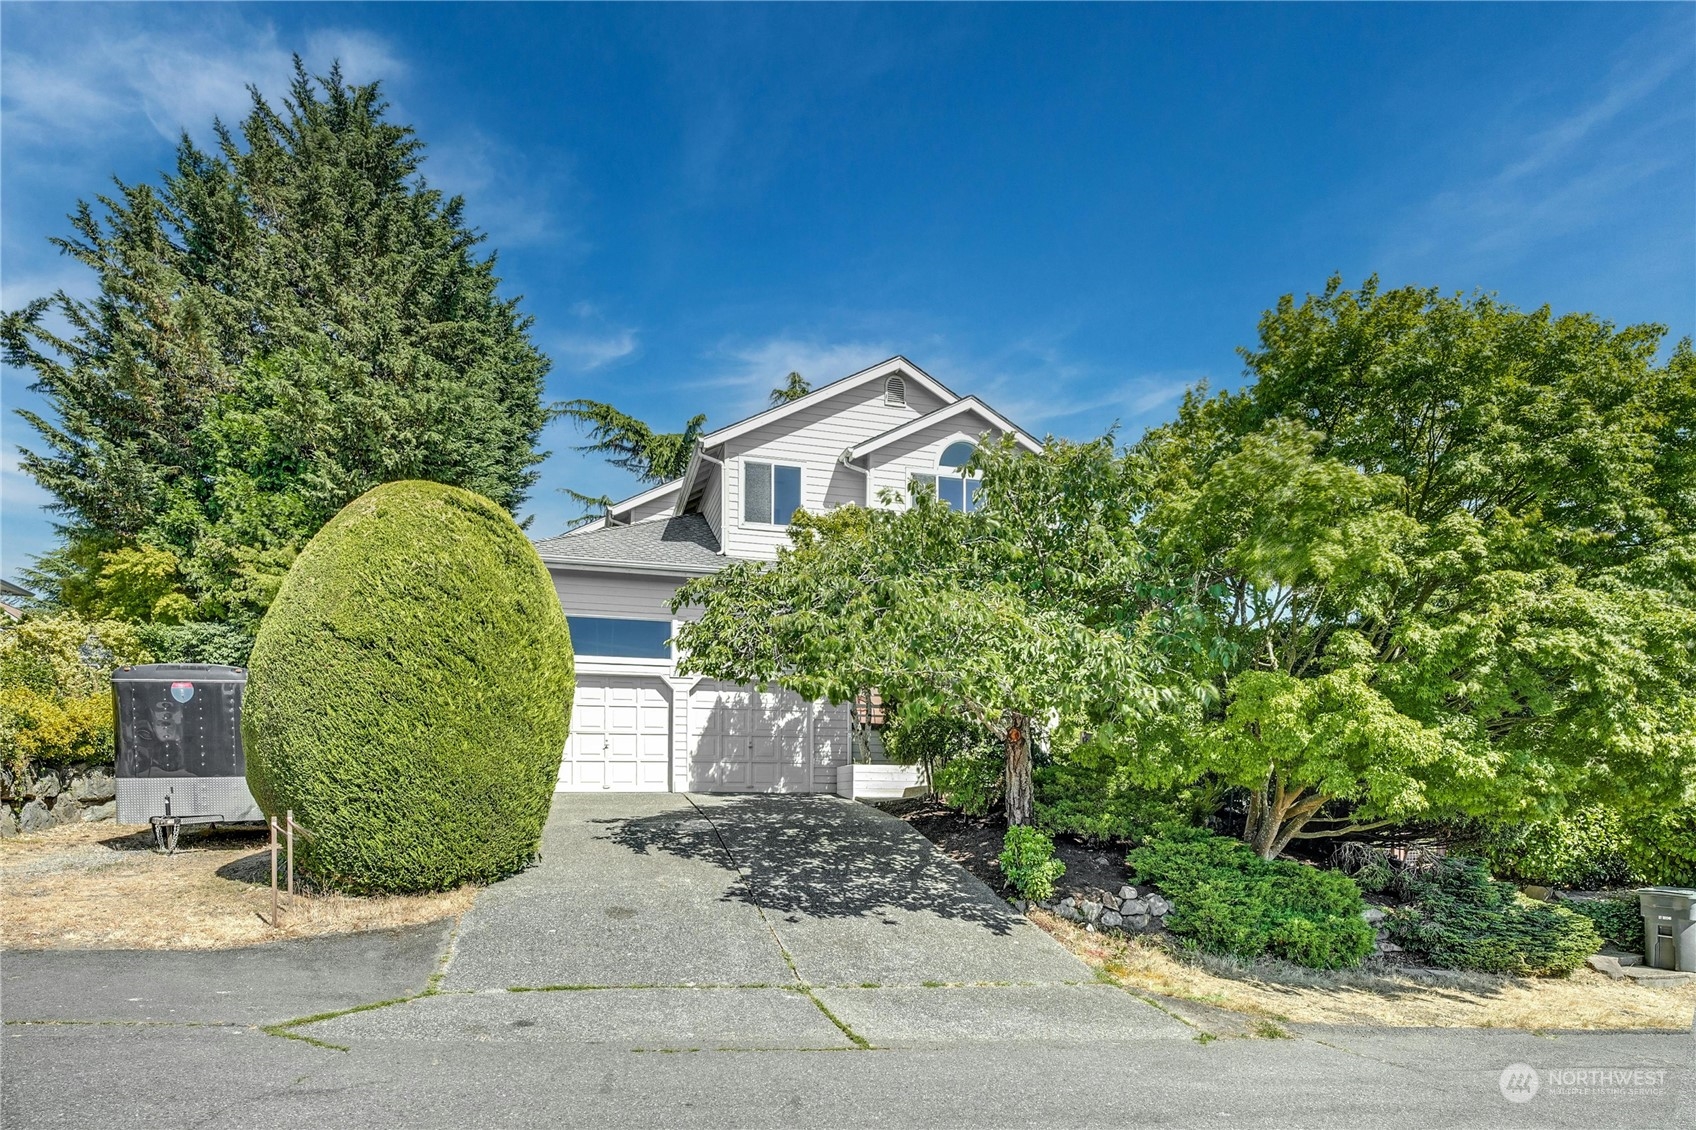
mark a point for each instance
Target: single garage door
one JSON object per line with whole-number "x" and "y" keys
{"x": 741, "y": 741}
{"x": 620, "y": 736}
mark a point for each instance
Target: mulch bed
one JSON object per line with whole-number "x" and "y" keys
{"x": 974, "y": 842}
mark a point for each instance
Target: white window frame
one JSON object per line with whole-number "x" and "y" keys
{"x": 955, "y": 474}
{"x": 742, "y": 487}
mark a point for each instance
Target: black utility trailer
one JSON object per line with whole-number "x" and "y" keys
{"x": 180, "y": 758}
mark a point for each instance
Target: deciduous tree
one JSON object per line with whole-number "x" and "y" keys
{"x": 1452, "y": 546}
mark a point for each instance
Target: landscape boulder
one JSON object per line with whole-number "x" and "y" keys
{"x": 35, "y": 817}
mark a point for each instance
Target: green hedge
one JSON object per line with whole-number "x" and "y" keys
{"x": 409, "y": 693}
{"x": 1618, "y": 920}
{"x": 1227, "y": 900}
{"x": 1591, "y": 848}
{"x": 1461, "y": 918}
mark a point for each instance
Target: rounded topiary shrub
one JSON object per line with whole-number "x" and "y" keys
{"x": 409, "y": 694}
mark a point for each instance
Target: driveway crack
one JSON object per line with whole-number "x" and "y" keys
{"x": 801, "y": 983}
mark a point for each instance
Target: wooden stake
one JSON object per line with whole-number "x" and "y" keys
{"x": 273, "y": 872}
{"x": 290, "y": 831}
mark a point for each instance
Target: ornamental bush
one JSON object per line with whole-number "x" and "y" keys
{"x": 1228, "y": 900}
{"x": 1461, "y": 918}
{"x": 1618, "y": 920}
{"x": 1027, "y": 860}
{"x": 1098, "y": 798}
{"x": 56, "y": 689}
{"x": 409, "y": 693}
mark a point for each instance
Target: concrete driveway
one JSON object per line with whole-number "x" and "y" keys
{"x": 728, "y": 962}
{"x": 666, "y": 889}
{"x": 756, "y": 920}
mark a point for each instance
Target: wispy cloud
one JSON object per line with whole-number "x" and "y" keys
{"x": 512, "y": 194}
{"x": 590, "y": 340}
{"x": 1568, "y": 171}
{"x": 79, "y": 77}
{"x": 586, "y": 351}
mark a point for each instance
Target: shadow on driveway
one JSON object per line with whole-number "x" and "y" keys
{"x": 820, "y": 857}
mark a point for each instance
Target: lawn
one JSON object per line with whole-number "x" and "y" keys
{"x": 102, "y": 886}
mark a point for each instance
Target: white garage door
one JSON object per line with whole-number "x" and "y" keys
{"x": 746, "y": 741}
{"x": 620, "y": 736}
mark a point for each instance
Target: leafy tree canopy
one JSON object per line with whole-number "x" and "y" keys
{"x": 281, "y": 324}
{"x": 1452, "y": 547}
{"x": 1030, "y": 612}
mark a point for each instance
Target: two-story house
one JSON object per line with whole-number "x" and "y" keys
{"x": 636, "y": 724}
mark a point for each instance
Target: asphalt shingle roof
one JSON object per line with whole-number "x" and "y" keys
{"x": 685, "y": 540}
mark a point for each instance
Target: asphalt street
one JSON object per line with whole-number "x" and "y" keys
{"x": 734, "y": 962}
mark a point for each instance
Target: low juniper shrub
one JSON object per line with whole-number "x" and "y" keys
{"x": 1228, "y": 900}
{"x": 1461, "y": 918}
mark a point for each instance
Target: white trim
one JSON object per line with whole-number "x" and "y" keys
{"x": 602, "y": 565}
{"x": 648, "y": 495}
{"x": 614, "y": 665}
{"x": 948, "y": 412}
{"x": 696, "y": 458}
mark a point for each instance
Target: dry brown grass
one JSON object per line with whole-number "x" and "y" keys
{"x": 1385, "y": 996}
{"x": 102, "y": 886}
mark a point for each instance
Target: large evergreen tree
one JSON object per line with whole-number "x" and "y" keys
{"x": 281, "y": 324}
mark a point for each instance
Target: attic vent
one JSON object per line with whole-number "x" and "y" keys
{"x": 895, "y": 392}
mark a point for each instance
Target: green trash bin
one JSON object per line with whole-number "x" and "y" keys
{"x": 1669, "y": 927}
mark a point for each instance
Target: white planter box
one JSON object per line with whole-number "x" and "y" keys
{"x": 879, "y": 782}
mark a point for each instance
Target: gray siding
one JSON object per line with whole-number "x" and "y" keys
{"x": 712, "y": 500}
{"x": 617, "y": 596}
{"x": 660, "y": 507}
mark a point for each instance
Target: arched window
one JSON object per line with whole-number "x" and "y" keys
{"x": 953, "y": 485}
{"x": 895, "y": 392}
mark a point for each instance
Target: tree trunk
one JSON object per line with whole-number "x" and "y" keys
{"x": 1021, "y": 790}
{"x": 1276, "y": 814}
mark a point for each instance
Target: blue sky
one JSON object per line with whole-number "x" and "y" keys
{"x": 1071, "y": 211}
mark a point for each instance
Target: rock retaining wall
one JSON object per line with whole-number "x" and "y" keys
{"x": 1129, "y": 910}
{"x": 38, "y": 799}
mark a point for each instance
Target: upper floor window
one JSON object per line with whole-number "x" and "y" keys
{"x": 895, "y": 392}
{"x": 771, "y": 493}
{"x": 951, "y": 482}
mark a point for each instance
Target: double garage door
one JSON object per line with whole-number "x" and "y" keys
{"x": 623, "y": 731}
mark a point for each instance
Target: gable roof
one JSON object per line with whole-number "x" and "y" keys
{"x": 966, "y": 405}
{"x": 653, "y": 494}
{"x": 684, "y": 545}
{"x": 880, "y": 371}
